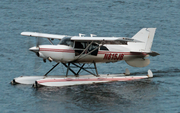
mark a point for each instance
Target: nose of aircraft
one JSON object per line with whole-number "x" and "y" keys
{"x": 34, "y": 49}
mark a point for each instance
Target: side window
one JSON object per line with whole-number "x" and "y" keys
{"x": 79, "y": 45}
{"x": 69, "y": 43}
{"x": 104, "y": 48}
{"x": 93, "y": 46}
{"x": 66, "y": 41}
{"x": 93, "y": 49}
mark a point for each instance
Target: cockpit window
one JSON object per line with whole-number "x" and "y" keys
{"x": 104, "y": 48}
{"x": 66, "y": 41}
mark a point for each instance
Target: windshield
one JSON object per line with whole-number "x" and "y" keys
{"x": 66, "y": 41}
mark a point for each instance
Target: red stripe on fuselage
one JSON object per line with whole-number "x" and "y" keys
{"x": 99, "y": 52}
{"x": 125, "y": 53}
{"x": 56, "y": 50}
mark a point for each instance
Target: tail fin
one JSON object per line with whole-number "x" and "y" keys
{"x": 146, "y": 36}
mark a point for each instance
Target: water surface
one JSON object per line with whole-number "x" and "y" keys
{"x": 103, "y": 18}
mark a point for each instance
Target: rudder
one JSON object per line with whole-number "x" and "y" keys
{"x": 146, "y": 36}
{"x": 150, "y": 39}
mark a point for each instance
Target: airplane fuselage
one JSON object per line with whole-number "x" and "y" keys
{"x": 64, "y": 53}
{"x": 77, "y": 49}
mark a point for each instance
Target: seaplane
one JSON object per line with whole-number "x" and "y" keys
{"x": 78, "y": 51}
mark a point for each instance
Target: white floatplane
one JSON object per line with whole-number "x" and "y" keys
{"x": 81, "y": 50}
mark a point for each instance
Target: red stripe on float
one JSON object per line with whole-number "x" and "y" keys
{"x": 89, "y": 79}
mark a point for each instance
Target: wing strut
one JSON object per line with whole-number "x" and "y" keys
{"x": 50, "y": 41}
{"x": 84, "y": 50}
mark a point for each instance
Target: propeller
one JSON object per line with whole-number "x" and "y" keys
{"x": 37, "y": 42}
{"x": 30, "y": 43}
{"x": 37, "y": 45}
{"x": 35, "y": 49}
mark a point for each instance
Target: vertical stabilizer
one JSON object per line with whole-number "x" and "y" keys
{"x": 150, "y": 38}
{"x": 146, "y": 36}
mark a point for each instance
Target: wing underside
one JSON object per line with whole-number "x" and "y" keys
{"x": 43, "y": 35}
{"x": 104, "y": 40}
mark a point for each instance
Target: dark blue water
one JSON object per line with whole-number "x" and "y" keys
{"x": 103, "y": 18}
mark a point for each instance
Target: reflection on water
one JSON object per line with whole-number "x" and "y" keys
{"x": 116, "y": 95}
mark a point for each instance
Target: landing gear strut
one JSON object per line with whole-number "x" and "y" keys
{"x": 81, "y": 67}
{"x": 51, "y": 69}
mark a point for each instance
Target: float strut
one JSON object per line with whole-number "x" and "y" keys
{"x": 51, "y": 69}
{"x": 96, "y": 69}
{"x": 81, "y": 67}
{"x": 68, "y": 68}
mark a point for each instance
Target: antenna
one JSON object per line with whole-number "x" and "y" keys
{"x": 81, "y": 35}
{"x": 92, "y": 35}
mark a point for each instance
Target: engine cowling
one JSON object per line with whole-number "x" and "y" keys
{"x": 58, "y": 53}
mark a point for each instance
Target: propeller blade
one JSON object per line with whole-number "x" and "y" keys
{"x": 30, "y": 43}
{"x": 39, "y": 41}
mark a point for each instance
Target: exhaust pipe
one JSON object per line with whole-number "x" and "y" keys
{"x": 50, "y": 59}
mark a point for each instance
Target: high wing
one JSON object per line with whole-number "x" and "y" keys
{"x": 105, "y": 40}
{"x": 43, "y": 35}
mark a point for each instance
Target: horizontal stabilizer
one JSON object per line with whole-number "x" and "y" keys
{"x": 152, "y": 53}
